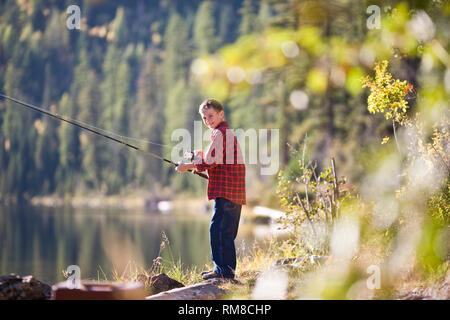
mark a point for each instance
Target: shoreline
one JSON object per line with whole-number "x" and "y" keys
{"x": 140, "y": 200}
{"x": 134, "y": 201}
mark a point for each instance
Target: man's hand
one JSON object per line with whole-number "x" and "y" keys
{"x": 198, "y": 157}
{"x": 183, "y": 167}
{"x": 198, "y": 153}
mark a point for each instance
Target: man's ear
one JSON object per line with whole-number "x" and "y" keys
{"x": 221, "y": 114}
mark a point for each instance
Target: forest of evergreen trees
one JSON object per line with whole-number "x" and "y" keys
{"x": 128, "y": 70}
{"x": 125, "y": 71}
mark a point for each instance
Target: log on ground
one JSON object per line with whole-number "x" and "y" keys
{"x": 199, "y": 291}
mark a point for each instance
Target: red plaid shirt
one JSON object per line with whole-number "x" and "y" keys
{"x": 225, "y": 165}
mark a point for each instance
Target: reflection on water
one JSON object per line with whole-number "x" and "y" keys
{"x": 45, "y": 241}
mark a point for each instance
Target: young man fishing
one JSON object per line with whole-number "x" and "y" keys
{"x": 226, "y": 185}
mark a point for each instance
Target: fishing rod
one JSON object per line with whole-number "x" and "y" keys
{"x": 76, "y": 123}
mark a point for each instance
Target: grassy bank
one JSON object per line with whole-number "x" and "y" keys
{"x": 329, "y": 278}
{"x": 249, "y": 267}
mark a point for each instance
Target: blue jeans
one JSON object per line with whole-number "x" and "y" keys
{"x": 222, "y": 232}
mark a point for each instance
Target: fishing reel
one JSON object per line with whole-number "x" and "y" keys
{"x": 190, "y": 156}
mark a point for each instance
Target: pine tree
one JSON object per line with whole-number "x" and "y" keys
{"x": 121, "y": 36}
{"x": 175, "y": 115}
{"x": 177, "y": 53}
{"x": 46, "y": 154}
{"x": 148, "y": 120}
{"x": 37, "y": 16}
{"x": 92, "y": 146}
{"x": 69, "y": 148}
{"x": 109, "y": 85}
{"x": 115, "y": 171}
{"x": 264, "y": 15}
{"x": 226, "y": 31}
{"x": 248, "y": 18}
{"x": 205, "y": 30}
{"x": 111, "y": 118}
{"x": 19, "y": 136}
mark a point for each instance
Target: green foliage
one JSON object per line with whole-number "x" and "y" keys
{"x": 313, "y": 197}
{"x": 177, "y": 54}
{"x": 433, "y": 250}
{"x": 387, "y": 95}
{"x": 69, "y": 148}
{"x": 426, "y": 156}
{"x": 438, "y": 204}
{"x": 248, "y": 22}
{"x": 204, "y": 29}
{"x": 92, "y": 147}
{"x": 120, "y": 31}
{"x": 147, "y": 114}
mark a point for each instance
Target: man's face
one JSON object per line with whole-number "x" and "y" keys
{"x": 211, "y": 118}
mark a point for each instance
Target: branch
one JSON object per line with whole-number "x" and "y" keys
{"x": 335, "y": 184}
{"x": 307, "y": 215}
{"x": 442, "y": 159}
{"x": 395, "y": 135}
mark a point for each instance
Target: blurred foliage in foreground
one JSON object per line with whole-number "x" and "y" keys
{"x": 393, "y": 231}
{"x": 391, "y": 226}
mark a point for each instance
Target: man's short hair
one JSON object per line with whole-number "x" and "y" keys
{"x": 211, "y": 103}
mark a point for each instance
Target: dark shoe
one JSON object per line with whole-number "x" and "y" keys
{"x": 205, "y": 272}
{"x": 211, "y": 275}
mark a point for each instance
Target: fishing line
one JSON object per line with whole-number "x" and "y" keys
{"x": 83, "y": 124}
{"x": 93, "y": 129}
{"x": 117, "y": 135}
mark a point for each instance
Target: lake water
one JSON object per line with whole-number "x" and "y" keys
{"x": 44, "y": 241}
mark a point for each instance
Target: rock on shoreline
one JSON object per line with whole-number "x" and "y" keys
{"x": 14, "y": 287}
